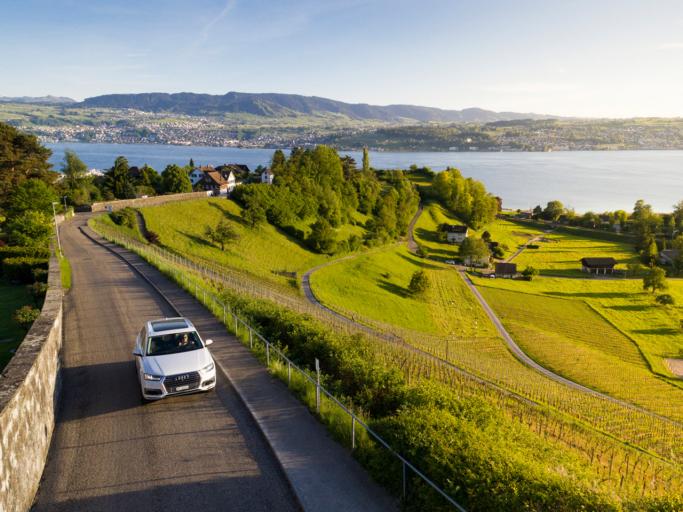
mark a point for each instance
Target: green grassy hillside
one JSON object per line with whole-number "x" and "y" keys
{"x": 263, "y": 252}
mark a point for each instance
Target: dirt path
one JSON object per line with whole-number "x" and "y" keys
{"x": 412, "y": 244}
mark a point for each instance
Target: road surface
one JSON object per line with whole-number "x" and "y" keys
{"x": 110, "y": 452}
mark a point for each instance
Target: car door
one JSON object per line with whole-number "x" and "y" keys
{"x": 140, "y": 346}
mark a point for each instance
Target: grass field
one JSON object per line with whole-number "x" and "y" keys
{"x": 11, "y": 334}
{"x": 508, "y": 234}
{"x": 654, "y": 328}
{"x": 263, "y": 252}
{"x": 570, "y": 338}
{"x": 559, "y": 253}
{"x": 373, "y": 288}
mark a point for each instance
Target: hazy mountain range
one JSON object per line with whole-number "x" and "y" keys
{"x": 292, "y": 105}
{"x": 42, "y": 100}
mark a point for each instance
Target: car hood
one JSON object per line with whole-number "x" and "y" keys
{"x": 173, "y": 364}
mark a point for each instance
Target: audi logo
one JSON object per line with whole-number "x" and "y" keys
{"x": 183, "y": 377}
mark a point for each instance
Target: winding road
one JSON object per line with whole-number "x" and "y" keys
{"x": 111, "y": 453}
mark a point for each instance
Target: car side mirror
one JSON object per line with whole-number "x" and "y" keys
{"x": 208, "y": 342}
{"x": 137, "y": 352}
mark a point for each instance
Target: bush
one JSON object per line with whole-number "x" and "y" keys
{"x": 26, "y": 315}
{"x": 529, "y": 273}
{"x": 422, "y": 252}
{"x": 37, "y": 291}
{"x": 498, "y": 252}
{"x": 22, "y": 269}
{"x": 125, "y": 217}
{"x": 666, "y": 299}
{"x": 419, "y": 283}
{"x": 15, "y": 251}
{"x": 355, "y": 242}
{"x": 152, "y": 237}
{"x": 532, "y": 246}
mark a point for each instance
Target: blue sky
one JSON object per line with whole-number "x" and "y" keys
{"x": 585, "y": 58}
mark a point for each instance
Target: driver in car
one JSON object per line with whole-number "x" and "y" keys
{"x": 184, "y": 341}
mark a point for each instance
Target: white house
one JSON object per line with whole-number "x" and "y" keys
{"x": 455, "y": 234}
{"x": 232, "y": 182}
{"x": 197, "y": 174}
{"x": 267, "y": 177}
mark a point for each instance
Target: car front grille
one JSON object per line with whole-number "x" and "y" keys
{"x": 182, "y": 382}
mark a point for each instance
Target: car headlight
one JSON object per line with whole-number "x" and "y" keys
{"x": 208, "y": 367}
{"x": 149, "y": 376}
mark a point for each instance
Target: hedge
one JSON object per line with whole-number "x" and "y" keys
{"x": 18, "y": 251}
{"x": 22, "y": 268}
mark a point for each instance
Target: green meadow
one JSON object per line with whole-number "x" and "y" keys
{"x": 264, "y": 252}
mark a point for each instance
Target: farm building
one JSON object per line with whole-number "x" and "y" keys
{"x": 455, "y": 234}
{"x": 267, "y": 177}
{"x": 598, "y": 265}
{"x": 507, "y": 270}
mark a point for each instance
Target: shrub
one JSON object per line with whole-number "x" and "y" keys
{"x": 532, "y": 246}
{"x": 422, "y": 251}
{"x": 355, "y": 242}
{"x": 665, "y": 299}
{"x": 15, "y": 251}
{"x": 498, "y": 252}
{"x": 21, "y": 269}
{"x": 419, "y": 283}
{"x": 529, "y": 273}
{"x": 26, "y": 315}
{"x": 152, "y": 237}
{"x": 125, "y": 217}
{"x": 37, "y": 291}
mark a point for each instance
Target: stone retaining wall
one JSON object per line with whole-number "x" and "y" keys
{"x": 146, "y": 201}
{"x": 29, "y": 389}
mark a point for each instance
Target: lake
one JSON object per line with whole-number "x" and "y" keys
{"x": 583, "y": 180}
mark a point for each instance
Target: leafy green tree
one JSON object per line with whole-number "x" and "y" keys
{"x": 254, "y": 214}
{"x": 474, "y": 249}
{"x": 537, "y": 211}
{"x": 74, "y": 170}
{"x": 222, "y": 234}
{"x": 149, "y": 178}
{"x": 118, "y": 180}
{"x": 278, "y": 161}
{"x": 22, "y": 157}
{"x": 32, "y": 194}
{"x": 366, "y": 159}
{"x": 649, "y": 255}
{"x": 322, "y": 238}
{"x": 175, "y": 180}
{"x": 645, "y": 224}
{"x": 31, "y": 228}
{"x": 419, "y": 283}
{"x": 655, "y": 279}
{"x": 529, "y": 273}
{"x": 465, "y": 197}
{"x": 553, "y": 210}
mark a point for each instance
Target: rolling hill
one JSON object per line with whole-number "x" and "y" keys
{"x": 292, "y": 105}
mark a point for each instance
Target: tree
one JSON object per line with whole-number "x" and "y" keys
{"x": 190, "y": 165}
{"x": 419, "y": 283}
{"x": 649, "y": 255}
{"x": 553, "y": 210}
{"x": 366, "y": 159}
{"x": 175, "y": 180}
{"x": 645, "y": 224}
{"x": 486, "y": 236}
{"x": 118, "y": 180}
{"x": 655, "y": 279}
{"x": 537, "y": 211}
{"x": 32, "y": 194}
{"x": 278, "y": 161}
{"x": 474, "y": 250}
{"x": 31, "y": 228}
{"x": 254, "y": 214}
{"x": 529, "y": 272}
{"x": 222, "y": 234}
{"x": 74, "y": 170}
{"x": 22, "y": 157}
{"x": 322, "y": 238}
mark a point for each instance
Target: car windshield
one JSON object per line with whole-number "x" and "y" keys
{"x": 173, "y": 343}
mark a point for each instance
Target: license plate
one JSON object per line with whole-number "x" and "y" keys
{"x": 182, "y": 388}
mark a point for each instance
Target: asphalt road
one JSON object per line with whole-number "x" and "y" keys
{"x": 111, "y": 452}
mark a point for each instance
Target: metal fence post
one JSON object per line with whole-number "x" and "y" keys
{"x": 317, "y": 385}
{"x": 224, "y": 314}
{"x": 267, "y": 353}
{"x": 234, "y": 319}
{"x": 251, "y": 338}
{"x": 353, "y": 432}
{"x": 404, "y": 479}
{"x": 289, "y": 372}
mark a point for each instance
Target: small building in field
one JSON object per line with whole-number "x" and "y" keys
{"x": 455, "y": 234}
{"x": 506, "y": 270}
{"x": 598, "y": 265}
{"x": 267, "y": 177}
{"x": 669, "y": 256}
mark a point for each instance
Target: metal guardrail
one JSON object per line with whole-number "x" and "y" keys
{"x": 253, "y": 338}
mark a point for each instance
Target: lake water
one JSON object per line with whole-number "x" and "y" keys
{"x": 583, "y": 180}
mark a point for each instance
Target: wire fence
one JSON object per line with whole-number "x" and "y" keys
{"x": 629, "y": 423}
{"x": 281, "y": 365}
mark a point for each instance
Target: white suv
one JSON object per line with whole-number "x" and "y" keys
{"x": 172, "y": 359}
